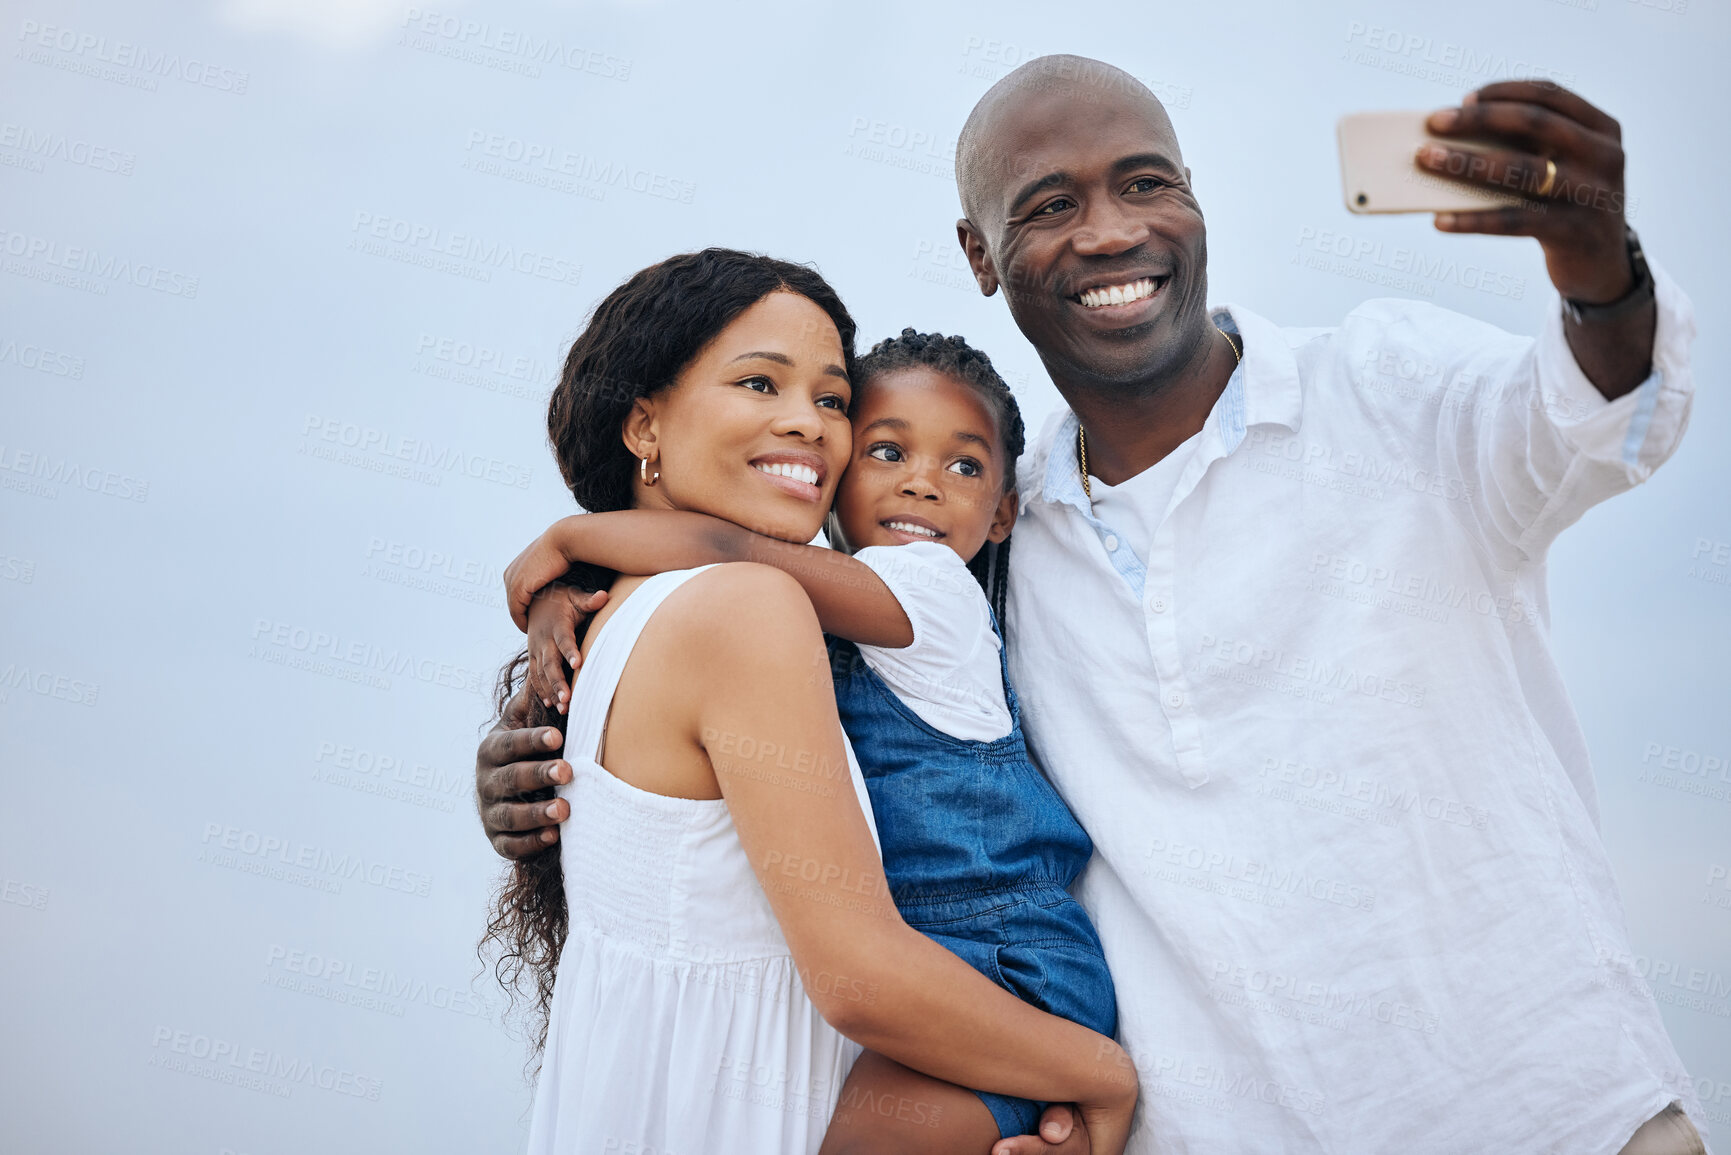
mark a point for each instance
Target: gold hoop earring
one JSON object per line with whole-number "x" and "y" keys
{"x": 643, "y": 472}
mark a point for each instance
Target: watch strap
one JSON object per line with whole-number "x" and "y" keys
{"x": 1642, "y": 291}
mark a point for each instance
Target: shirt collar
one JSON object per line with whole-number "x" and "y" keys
{"x": 1269, "y": 390}
{"x": 1263, "y": 390}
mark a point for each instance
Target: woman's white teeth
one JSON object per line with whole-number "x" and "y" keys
{"x": 803, "y": 473}
{"x": 910, "y": 527}
{"x": 1118, "y": 294}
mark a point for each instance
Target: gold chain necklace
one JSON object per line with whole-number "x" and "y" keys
{"x": 1082, "y": 438}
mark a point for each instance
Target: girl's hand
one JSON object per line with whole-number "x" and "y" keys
{"x": 554, "y": 615}
{"x": 543, "y": 562}
{"x": 1061, "y": 1133}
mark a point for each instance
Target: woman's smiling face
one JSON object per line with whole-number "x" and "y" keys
{"x": 755, "y": 429}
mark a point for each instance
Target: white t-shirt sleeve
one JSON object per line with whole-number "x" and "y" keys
{"x": 951, "y": 674}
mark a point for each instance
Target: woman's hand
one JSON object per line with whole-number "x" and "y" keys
{"x": 1106, "y": 1114}
{"x": 1101, "y": 1124}
{"x": 554, "y": 615}
{"x": 536, "y": 567}
{"x": 1108, "y": 1123}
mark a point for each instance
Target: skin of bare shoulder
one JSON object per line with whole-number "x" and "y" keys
{"x": 735, "y": 621}
{"x": 733, "y": 602}
{"x": 753, "y": 624}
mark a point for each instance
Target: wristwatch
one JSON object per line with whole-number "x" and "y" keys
{"x": 1583, "y": 313}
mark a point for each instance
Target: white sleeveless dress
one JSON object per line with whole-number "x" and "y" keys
{"x": 679, "y": 1025}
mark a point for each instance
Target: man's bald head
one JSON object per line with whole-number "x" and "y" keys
{"x": 985, "y": 162}
{"x": 1079, "y": 207}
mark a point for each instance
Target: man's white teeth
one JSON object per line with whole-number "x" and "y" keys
{"x": 910, "y": 527}
{"x": 803, "y": 473}
{"x": 1118, "y": 294}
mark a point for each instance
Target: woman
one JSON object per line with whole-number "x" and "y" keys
{"x": 727, "y": 919}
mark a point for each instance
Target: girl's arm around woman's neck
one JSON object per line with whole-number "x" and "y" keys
{"x": 851, "y": 601}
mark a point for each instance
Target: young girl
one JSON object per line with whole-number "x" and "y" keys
{"x": 978, "y": 848}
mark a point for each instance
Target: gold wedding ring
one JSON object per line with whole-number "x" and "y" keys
{"x": 1544, "y": 190}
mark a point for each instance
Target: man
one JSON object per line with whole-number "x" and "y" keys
{"x": 1277, "y": 619}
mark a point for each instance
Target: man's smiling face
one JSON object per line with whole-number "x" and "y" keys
{"x": 1079, "y": 207}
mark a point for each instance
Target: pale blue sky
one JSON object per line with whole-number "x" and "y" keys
{"x": 334, "y": 440}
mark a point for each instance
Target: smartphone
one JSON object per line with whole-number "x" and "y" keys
{"x": 1378, "y": 173}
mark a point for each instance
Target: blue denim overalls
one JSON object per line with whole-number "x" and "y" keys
{"x": 979, "y": 852}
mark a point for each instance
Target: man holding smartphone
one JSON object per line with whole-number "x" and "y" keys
{"x": 1279, "y": 632}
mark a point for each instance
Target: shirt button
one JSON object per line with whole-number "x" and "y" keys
{"x": 1175, "y": 700}
{"x": 1111, "y": 542}
{"x": 1157, "y": 604}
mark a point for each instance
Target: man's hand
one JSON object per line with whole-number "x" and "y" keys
{"x": 554, "y": 615}
{"x": 1061, "y": 1133}
{"x": 1565, "y": 159}
{"x": 1578, "y": 219}
{"x": 514, "y": 760}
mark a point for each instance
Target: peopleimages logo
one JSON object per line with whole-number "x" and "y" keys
{"x": 393, "y": 449}
{"x": 1229, "y": 865}
{"x": 80, "y": 262}
{"x": 1369, "y": 254}
{"x": 1421, "y": 587}
{"x": 374, "y": 229}
{"x": 472, "y": 355}
{"x": 41, "y": 359}
{"x": 1315, "y": 458}
{"x": 1402, "y": 799}
{"x": 224, "y": 1061}
{"x": 558, "y": 161}
{"x": 340, "y": 980}
{"x": 23, "y": 894}
{"x": 1443, "y": 61}
{"x": 1668, "y": 981}
{"x": 324, "y": 866}
{"x": 45, "y": 471}
{"x": 1320, "y": 671}
{"x": 433, "y": 563}
{"x": 45, "y": 145}
{"x": 85, "y": 52}
{"x": 48, "y": 684}
{"x": 899, "y": 146}
{"x": 362, "y": 657}
{"x": 529, "y": 49}
{"x": 388, "y": 776}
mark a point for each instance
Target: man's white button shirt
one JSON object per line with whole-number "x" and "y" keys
{"x": 1348, "y": 870}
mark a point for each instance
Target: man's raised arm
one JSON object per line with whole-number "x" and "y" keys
{"x": 1601, "y": 399}
{"x": 1566, "y": 158}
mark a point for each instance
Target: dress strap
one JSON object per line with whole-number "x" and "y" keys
{"x": 598, "y": 678}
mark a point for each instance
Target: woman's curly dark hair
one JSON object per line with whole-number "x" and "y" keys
{"x": 638, "y": 340}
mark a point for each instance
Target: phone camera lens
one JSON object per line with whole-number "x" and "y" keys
{"x": 1362, "y": 199}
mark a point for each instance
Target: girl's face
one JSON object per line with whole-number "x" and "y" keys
{"x": 755, "y": 429}
{"x": 928, "y": 465}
